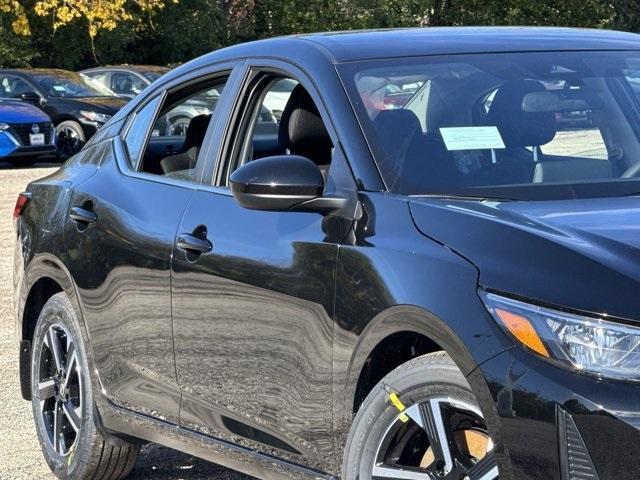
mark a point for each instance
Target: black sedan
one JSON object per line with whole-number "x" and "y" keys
{"x": 415, "y": 272}
{"x": 77, "y": 105}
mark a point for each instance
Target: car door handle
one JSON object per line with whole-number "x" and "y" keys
{"x": 191, "y": 243}
{"x": 82, "y": 215}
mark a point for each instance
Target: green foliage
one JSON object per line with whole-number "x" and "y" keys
{"x": 185, "y": 29}
{"x": 15, "y": 50}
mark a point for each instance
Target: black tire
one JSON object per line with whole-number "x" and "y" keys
{"x": 70, "y": 138}
{"x": 22, "y": 163}
{"x": 432, "y": 376}
{"x": 83, "y": 453}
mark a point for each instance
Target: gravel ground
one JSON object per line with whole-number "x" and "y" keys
{"x": 20, "y": 455}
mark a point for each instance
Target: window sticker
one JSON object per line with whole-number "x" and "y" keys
{"x": 58, "y": 88}
{"x": 472, "y": 138}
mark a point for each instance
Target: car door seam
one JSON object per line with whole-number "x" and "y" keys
{"x": 173, "y": 332}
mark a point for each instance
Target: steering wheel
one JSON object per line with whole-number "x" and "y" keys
{"x": 633, "y": 171}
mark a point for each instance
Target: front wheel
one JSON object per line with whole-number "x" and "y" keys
{"x": 62, "y": 401}
{"x": 70, "y": 138}
{"x": 421, "y": 422}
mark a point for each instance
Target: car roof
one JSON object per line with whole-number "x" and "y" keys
{"x": 29, "y": 71}
{"x": 357, "y": 45}
{"x": 131, "y": 68}
{"x": 350, "y": 46}
{"x": 39, "y": 70}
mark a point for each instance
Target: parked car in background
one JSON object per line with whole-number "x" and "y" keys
{"x": 77, "y": 105}
{"x": 129, "y": 80}
{"x": 26, "y": 133}
{"x": 126, "y": 80}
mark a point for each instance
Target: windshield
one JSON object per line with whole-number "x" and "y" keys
{"x": 70, "y": 85}
{"x": 541, "y": 125}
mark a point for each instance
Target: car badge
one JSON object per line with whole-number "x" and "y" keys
{"x": 35, "y": 128}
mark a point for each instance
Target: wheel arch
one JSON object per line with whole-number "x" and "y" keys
{"x": 63, "y": 117}
{"x": 405, "y": 331}
{"x": 408, "y": 322}
{"x": 68, "y": 117}
{"x": 41, "y": 291}
{"x": 46, "y": 276}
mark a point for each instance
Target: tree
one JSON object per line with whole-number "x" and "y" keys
{"x": 627, "y": 15}
{"x": 78, "y": 33}
{"x": 98, "y": 14}
{"x": 19, "y": 24}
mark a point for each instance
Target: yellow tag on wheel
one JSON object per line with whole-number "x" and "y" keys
{"x": 395, "y": 401}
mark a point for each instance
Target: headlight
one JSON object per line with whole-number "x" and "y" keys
{"x": 95, "y": 116}
{"x": 586, "y": 343}
{"x": 4, "y": 126}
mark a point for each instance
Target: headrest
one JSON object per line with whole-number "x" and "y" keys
{"x": 517, "y": 127}
{"x": 396, "y": 127}
{"x": 301, "y": 128}
{"x": 442, "y": 109}
{"x": 195, "y": 131}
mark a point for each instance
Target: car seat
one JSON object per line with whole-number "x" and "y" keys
{"x": 192, "y": 142}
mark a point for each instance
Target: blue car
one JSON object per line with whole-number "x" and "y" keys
{"x": 26, "y": 132}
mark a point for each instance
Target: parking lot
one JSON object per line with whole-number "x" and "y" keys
{"x": 20, "y": 456}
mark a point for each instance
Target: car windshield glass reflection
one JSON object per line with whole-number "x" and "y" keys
{"x": 152, "y": 76}
{"x": 518, "y": 125}
{"x": 70, "y": 85}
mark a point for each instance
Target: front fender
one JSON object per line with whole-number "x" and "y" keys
{"x": 394, "y": 279}
{"x": 406, "y": 318}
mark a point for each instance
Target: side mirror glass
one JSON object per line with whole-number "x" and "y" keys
{"x": 277, "y": 183}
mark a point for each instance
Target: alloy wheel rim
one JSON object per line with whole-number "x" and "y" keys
{"x": 436, "y": 439}
{"x": 69, "y": 141}
{"x": 60, "y": 399}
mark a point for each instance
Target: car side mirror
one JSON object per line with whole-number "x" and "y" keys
{"x": 277, "y": 183}
{"x": 31, "y": 97}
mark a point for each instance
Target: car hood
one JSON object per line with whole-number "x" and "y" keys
{"x": 106, "y": 105}
{"x": 579, "y": 254}
{"x": 15, "y": 111}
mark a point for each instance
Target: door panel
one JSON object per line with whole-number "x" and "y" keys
{"x": 121, "y": 264}
{"x": 253, "y": 328}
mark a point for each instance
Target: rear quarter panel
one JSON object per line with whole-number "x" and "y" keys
{"x": 39, "y": 245}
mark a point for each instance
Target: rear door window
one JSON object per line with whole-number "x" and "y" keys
{"x": 136, "y": 135}
{"x": 100, "y": 77}
{"x": 125, "y": 83}
{"x": 165, "y": 136}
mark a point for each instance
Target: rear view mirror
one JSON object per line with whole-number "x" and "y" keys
{"x": 562, "y": 101}
{"x": 277, "y": 183}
